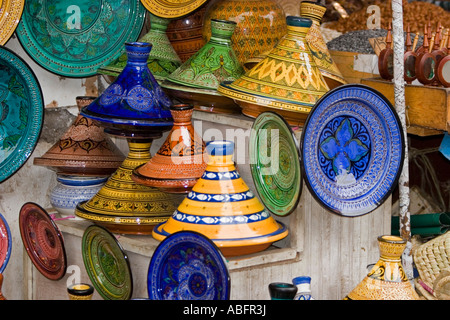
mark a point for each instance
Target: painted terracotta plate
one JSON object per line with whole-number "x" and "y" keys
{"x": 171, "y": 8}
{"x": 275, "y": 163}
{"x": 75, "y": 38}
{"x": 188, "y": 266}
{"x": 43, "y": 241}
{"x": 107, "y": 264}
{"x": 21, "y": 112}
{"x": 5, "y": 243}
{"x": 352, "y": 150}
{"x": 10, "y": 13}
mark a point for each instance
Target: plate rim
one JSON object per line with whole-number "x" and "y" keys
{"x": 295, "y": 142}
{"x": 158, "y": 8}
{"x": 27, "y": 42}
{"x": 218, "y": 254}
{"x": 37, "y": 119}
{"x": 4, "y": 263}
{"x": 402, "y": 155}
{"x": 89, "y": 267}
{"x": 14, "y": 19}
{"x": 44, "y": 214}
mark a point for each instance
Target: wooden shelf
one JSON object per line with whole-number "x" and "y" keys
{"x": 427, "y": 107}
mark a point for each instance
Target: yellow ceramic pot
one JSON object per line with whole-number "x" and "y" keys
{"x": 387, "y": 279}
{"x": 222, "y": 207}
{"x": 260, "y": 24}
{"x": 122, "y": 205}
{"x": 287, "y": 81}
{"x": 315, "y": 11}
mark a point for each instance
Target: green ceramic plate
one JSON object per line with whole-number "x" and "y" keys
{"x": 106, "y": 264}
{"x": 275, "y": 163}
{"x": 75, "y": 38}
{"x": 21, "y": 112}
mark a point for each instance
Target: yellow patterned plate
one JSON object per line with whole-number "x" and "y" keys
{"x": 10, "y": 13}
{"x": 171, "y": 8}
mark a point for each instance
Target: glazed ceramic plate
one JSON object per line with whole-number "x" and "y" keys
{"x": 275, "y": 163}
{"x": 106, "y": 264}
{"x": 352, "y": 150}
{"x": 43, "y": 241}
{"x": 75, "y": 38}
{"x": 188, "y": 266}
{"x": 21, "y": 112}
{"x": 10, "y": 13}
{"x": 5, "y": 243}
{"x": 171, "y": 8}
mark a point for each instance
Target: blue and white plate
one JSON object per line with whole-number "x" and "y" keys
{"x": 188, "y": 266}
{"x": 352, "y": 150}
{"x": 5, "y": 243}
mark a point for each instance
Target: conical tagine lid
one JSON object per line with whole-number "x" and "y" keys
{"x": 215, "y": 62}
{"x": 180, "y": 161}
{"x": 84, "y": 149}
{"x": 162, "y": 59}
{"x": 134, "y": 101}
{"x": 286, "y": 81}
{"x": 317, "y": 45}
{"x": 221, "y": 207}
{"x": 387, "y": 279}
{"x": 124, "y": 206}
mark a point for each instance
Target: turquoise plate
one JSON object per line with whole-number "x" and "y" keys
{"x": 75, "y": 38}
{"x": 21, "y": 112}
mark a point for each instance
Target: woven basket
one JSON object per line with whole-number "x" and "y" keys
{"x": 431, "y": 259}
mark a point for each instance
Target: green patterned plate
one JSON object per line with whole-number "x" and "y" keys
{"x": 21, "y": 112}
{"x": 275, "y": 163}
{"x": 75, "y": 38}
{"x": 106, "y": 264}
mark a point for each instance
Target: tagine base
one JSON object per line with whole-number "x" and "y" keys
{"x": 206, "y": 100}
{"x": 238, "y": 247}
{"x": 294, "y": 119}
{"x": 132, "y": 225}
{"x": 165, "y": 185}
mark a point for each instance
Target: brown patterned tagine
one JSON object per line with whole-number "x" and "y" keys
{"x": 185, "y": 34}
{"x": 180, "y": 161}
{"x": 84, "y": 149}
{"x": 287, "y": 81}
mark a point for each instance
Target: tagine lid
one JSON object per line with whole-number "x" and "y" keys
{"x": 181, "y": 156}
{"x": 83, "y": 149}
{"x": 223, "y": 208}
{"x": 135, "y": 99}
{"x": 287, "y": 78}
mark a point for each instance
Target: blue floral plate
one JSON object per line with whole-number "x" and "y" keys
{"x": 188, "y": 266}
{"x": 5, "y": 243}
{"x": 352, "y": 150}
{"x": 21, "y": 112}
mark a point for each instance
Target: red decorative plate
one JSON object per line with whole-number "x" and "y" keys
{"x": 43, "y": 241}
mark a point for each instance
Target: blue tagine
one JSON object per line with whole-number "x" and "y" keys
{"x": 134, "y": 102}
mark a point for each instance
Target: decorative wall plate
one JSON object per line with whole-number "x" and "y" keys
{"x": 275, "y": 163}
{"x": 171, "y": 8}
{"x": 74, "y": 39}
{"x": 5, "y": 243}
{"x": 188, "y": 266}
{"x": 21, "y": 112}
{"x": 107, "y": 264}
{"x": 43, "y": 241}
{"x": 10, "y": 13}
{"x": 352, "y": 150}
